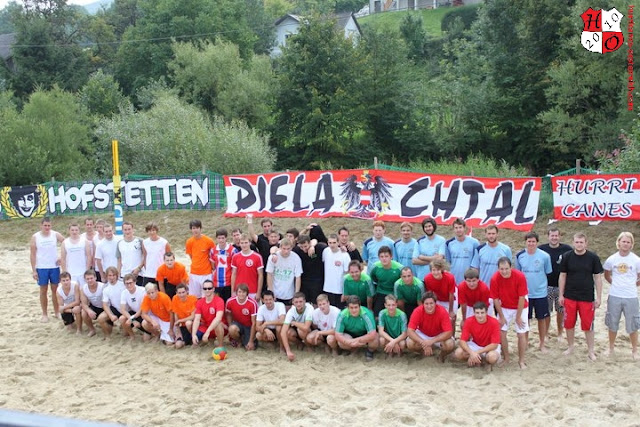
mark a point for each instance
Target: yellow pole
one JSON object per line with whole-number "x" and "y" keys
{"x": 117, "y": 195}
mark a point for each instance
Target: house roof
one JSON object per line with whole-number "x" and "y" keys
{"x": 6, "y": 42}
{"x": 287, "y": 16}
{"x": 341, "y": 20}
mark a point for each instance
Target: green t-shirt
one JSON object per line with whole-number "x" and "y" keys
{"x": 395, "y": 325}
{"x": 385, "y": 278}
{"x": 356, "y": 326}
{"x": 409, "y": 293}
{"x": 363, "y": 288}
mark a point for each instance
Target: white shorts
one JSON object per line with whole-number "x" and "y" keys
{"x": 195, "y": 283}
{"x": 80, "y": 279}
{"x": 475, "y": 347}
{"x": 490, "y": 311}
{"x": 164, "y": 328}
{"x": 510, "y": 316}
{"x": 427, "y": 337}
{"x": 445, "y": 304}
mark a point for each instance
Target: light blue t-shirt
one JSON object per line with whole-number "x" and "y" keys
{"x": 370, "y": 250}
{"x": 459, "y": 255}
{"x": 535, "y": 268}
{"x": 403, "y": 253}
{"x": 486, "y": 260}
{"x": 428, "y": 247}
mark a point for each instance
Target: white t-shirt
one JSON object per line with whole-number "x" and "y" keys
{"x": 336, "y": 265}
{"x": 624, "y": 274}
{"x": 133, "y": 301}
{"x": 70, "y": 297}
{"x": 266, "y": 315}
{"x": 76, "y": 256}
{"x": 95, "y": 298}
{"x": 324, "y": 322}
{"x": 130, "y": 255}
{"x": 284, "y": 273}
{"x": 46, "y": 250}
{"x": 112, "y": 294}
{"x": 155, "y": 255}
{"x": 106, "y": 252}
{"x": 294, "y": 316}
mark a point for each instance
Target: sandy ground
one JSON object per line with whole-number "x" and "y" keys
{"x": 48, "y": 370}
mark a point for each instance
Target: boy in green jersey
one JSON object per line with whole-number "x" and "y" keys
{"x": 384, "y": 274}
{"x": 356, "y": 328}
{"x": 408, "y": 289}
{"x": 392, "y": 327}
{"x": 357, "y": 283}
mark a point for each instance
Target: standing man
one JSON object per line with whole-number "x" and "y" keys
{"x": 75, "y": 255}
{"x": 358, "y": 283}
{"x": 443, "y": 284}
{"x": 580, "y": 275}
{"x": 429, "y": 247}
{"x": 336, "y": 264}
{"x": 106, "y": 251}
{"x": 384, "y": 275}
{"x": 198, "y": 248}
{"x": 221, "y": 256}
{"x": 356, "y": 328}
{"x": 509, "y": 293}
{"x": 44, "y": 264}
{"x": 171, "y": 274}
{"x": 373, "y": 244}
{"x": 536, "y": 265}
{"x": 487, "y": 255}
{"x": 480, "y": 339}
{"x": 472, "y": 291}
{"x": 555, "y": 249}
{"x": 429, "y": 327}
{"x": 283, "y": 276}
{"x": 312, "y": 279}
{"x": 93, "y": 238}
{"x": 265, "y": 241}
{"x": 622, "y": 270}
{"x": 459, "y": 250}
{"x": 247, "y": 267}
{"x": 408, "y": 290}
{"x": 155, "y": 247}
{"x": 348, "y": 246}
{"x": 403, "y": 247}
{"x": 131, "y": 254}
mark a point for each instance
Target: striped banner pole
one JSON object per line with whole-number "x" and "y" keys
{"x": 117, "y": 194}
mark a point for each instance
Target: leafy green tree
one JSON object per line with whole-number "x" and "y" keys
{"x": 174, "y": 137}
{"x": 215, "y": 77}
{"x": 318, "y": 110}
{"x": 101, "y": 95}
{"x": 50, "y": 137}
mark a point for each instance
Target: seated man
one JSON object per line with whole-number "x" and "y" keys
{"x": 297, "y": 323}
{"x": 156, "y": 314}
{"x": 430, "y": 327}
{"x": 323, "y": 323}
{"x": 392, "y": 327}
{"x": 408, "y": 289}
{"x": 111, "y": 295}
{"x": 68, "y": 294}
{"x": 91, "y": 300}
{"x": 480, "y": 339}
{"x": 442, "y": 283}
{"x": 269, "y": 319}
{"x": 171, "y": 274}
{"x": 130, "y": 303}
{"x": 241, "y": 318}
{"x": 356, "y": 328}
{"x": 209, "y": 321}
{"x": 183, "y": 310}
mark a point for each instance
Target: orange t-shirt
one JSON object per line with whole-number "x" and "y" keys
{"x": 181, "y": 308}
{"x": 175, "y": 275}
{"x": 161, "y": 306}
{"x": 198, "y": 250}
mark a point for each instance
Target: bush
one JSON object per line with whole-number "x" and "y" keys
{"x": 467, "y": 14}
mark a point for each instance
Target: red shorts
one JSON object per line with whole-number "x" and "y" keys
{"x": 571, "y": 310}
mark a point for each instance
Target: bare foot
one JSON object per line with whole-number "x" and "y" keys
{"x": 44, "y": 318}
{"x": 592, "y": 356}
{"x": 568, "y": 351}
{"x": 501, "y": 363}
{"x": 608, "y": 352}
{"x": 635, "y": 356}
{"x": 91, "y": 333}
{"x": 57, "y": 316}
{"x": 523, "y": 365}
{"x": 560, "y": 339}
{"x": 543, "y": 349}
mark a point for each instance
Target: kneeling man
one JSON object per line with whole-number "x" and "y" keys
{"x": 480, "y": 339}
{"x": 356, "y": 328}
{"x": 430, "y": 327}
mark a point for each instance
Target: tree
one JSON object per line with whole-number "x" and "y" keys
{"x": 50, "y": 137}
{"x": 101, "y": 95}
{"x": 215, "y": 77}
{"x": 174, "y": 137}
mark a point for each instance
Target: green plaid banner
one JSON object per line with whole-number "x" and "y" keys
{"x": 198, "y": 191}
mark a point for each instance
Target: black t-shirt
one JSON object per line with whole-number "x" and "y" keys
{"x": 264, "y": 249}
{"x": 355, "y": 255}
{"x": 556, "y": 258}
{"x": 580, "y": 270}
{"x": 312, "y": 267}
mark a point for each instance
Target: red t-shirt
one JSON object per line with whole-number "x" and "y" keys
{"x": 247, "y": 267}
{"x": 208, "y": 311}
{"x": 242, "y": 313}
{"x": 508, "y": 291}
{"x": 481, "y": 334}
{"x": 443, "y": 287}
{"x": 430, "y": 324}
{"x": 471, "y": 296}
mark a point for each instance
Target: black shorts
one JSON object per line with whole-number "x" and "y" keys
{"x": 311, "y": 289}
{"x": 98, "y": 276}
{"x": 245, "y": 332}
{"x": 97, "y": 310}
{"x": 146, "y": 280}
{"x": 116, "y": 312}
{"x": 139, "y": 319}
{"x": 186, "y": 335}
{"x": 169, "y": 289}
{"x": 540, "y": 306}
{"x": 67, "y": 318}
{"x": 336, "y": 300}
{"x": 378, "y": 304}
{"x": 408, "y": 309}
{"x": 223, "y": 292}
{"x": 286, "y": 302}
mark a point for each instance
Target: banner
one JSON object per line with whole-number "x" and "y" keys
{"x": 198, "y": 191}
{"x": 596, "y": 197}
{"x": 386, "y": 195}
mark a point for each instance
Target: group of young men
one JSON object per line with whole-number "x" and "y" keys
{"x": 317, "y": 292}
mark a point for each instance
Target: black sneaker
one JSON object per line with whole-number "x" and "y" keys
{"x": 368, "y": 354}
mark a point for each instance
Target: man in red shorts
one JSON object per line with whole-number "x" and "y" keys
{"x": 580, "y": 272}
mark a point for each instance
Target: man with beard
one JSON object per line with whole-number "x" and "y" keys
{"x": 485, "y": 260}
{"x": 428, "y": 248}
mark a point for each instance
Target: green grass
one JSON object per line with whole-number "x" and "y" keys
{"x": 431, "y": 19}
